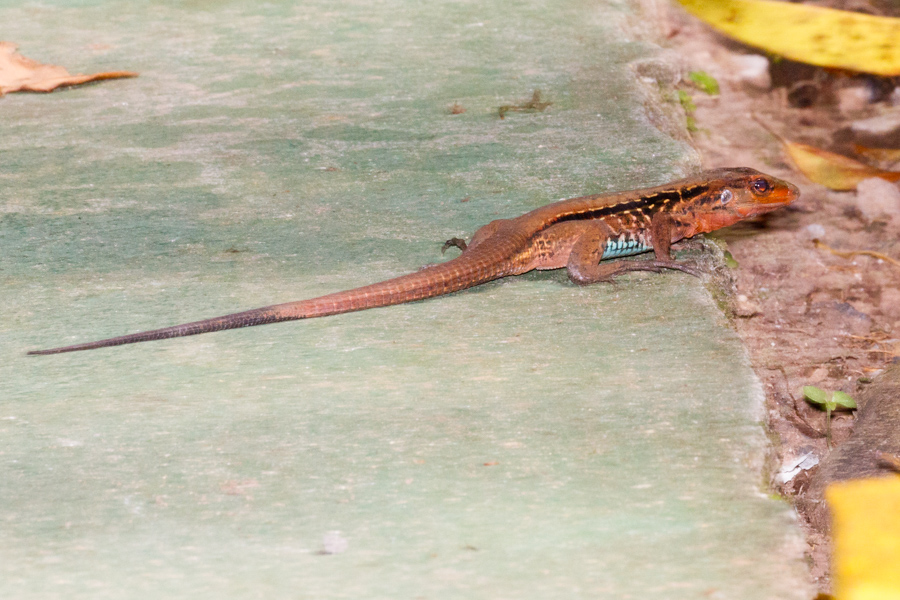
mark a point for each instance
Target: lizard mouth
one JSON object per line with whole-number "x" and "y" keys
{"x": 783, "y": 194}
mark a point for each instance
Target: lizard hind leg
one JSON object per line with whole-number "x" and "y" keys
{"x": 482, "y": 234}
{"x": 457, "y": 242}
{"x": 583, "y": 265}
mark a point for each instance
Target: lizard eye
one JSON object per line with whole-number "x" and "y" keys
{"x": 726, "y": 196}
{"x": 761, "y": 186}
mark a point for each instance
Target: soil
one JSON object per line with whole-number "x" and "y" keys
{"x": 806, "y": 315}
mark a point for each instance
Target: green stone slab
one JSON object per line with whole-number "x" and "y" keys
{"x": 525, "y": 439}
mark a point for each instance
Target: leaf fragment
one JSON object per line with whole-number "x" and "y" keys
{"x": 811, "y": 34}
{"x": 534, "y": 104}
{"x": 21, "y": 74}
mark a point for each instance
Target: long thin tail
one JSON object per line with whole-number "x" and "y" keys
{"x": 258, "y": 316}
{"x": 457, "y": 274}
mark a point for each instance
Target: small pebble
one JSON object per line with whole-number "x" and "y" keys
{"x": 815, "y": 231}
{"x": 752, "y": 70}
{"x": 854, "y": 99}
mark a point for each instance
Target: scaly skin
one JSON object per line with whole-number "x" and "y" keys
{"x": 577, "y": 234}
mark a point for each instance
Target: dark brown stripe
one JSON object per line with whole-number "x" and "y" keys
{"x": 650, "y": 203}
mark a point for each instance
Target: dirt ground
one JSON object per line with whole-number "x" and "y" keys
{"x": 807, "y": 315}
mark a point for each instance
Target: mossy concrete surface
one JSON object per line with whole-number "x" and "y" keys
{"x": 525, "y": 439}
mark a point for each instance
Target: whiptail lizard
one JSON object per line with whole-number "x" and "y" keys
{"x": 576, "y": 234}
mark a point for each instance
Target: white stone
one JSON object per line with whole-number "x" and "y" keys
{"x": 885, "y": 124}
{"x": 878, "y": 198}
{"x": 752, "y": 70}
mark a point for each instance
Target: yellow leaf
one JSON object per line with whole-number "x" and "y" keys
{"x": 887, "y": 155}
{"x": 834, "y": 171}
{"x": 810, "y": 34}
{"x": 866, "y": 530}
{"x": 18, "y": 73}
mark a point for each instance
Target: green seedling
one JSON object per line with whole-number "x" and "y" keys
{"x": 830, "y": 401}
{"x": 705, "y": 82}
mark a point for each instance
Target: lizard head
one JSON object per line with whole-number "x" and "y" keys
{"x": 740, "y": 193}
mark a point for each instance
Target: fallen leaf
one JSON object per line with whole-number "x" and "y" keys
{"x": 885, "y": 155}
{"x": 21, "y": 74}
{"x": 866, "y": 529}
{"x": 834, "y": 171}
{"x": 811, "y": 34}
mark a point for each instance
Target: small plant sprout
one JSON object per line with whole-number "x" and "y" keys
{"x": 705, "y": 82}
{"x": 830, "y": 401}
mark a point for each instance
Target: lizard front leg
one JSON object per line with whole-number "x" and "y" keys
{"x": 664, "y": 230}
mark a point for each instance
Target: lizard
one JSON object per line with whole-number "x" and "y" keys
{"x": 580, "y": 234}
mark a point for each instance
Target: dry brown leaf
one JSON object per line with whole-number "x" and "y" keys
{"x": 834, "y": 171}
{"x": 885, "y": 155}
{"x": 21, "y": 74}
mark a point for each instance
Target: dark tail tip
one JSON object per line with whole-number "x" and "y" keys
{"x": 50, "y": 351}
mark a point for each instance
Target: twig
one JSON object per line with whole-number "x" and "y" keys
{"x": 852, "y": 253}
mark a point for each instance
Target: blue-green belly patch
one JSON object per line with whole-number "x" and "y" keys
{"x": 624, "y": 246}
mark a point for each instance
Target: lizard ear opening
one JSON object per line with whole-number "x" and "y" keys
{"x": 726, "y": 196}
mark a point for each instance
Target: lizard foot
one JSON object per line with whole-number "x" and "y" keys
{"x": 689, "y": 268}
{"x": 606, "y": 272}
